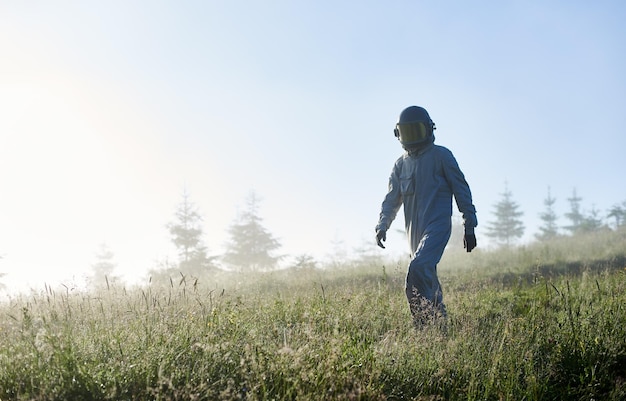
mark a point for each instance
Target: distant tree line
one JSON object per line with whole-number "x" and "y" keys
{"x": 250, "y": 246}
{"x": 507, "y": 226}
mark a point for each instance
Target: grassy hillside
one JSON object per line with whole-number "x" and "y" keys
{"x": 545, "y": 321}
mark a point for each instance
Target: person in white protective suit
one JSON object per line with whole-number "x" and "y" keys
{"x": 424, "y": 179}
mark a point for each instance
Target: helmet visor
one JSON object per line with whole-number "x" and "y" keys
{"x": 413, "y": 132}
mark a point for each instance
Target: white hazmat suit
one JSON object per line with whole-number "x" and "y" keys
{"x": 424, "y": 181}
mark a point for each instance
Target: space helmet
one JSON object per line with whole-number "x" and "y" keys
{"x": 414, "y": 127}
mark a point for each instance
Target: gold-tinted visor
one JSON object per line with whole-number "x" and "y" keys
{"x": 413, "y": 132}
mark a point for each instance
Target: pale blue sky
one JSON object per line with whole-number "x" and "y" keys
{"x": 109, "y": 109}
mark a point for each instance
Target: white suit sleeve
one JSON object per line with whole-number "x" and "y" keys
{"x": 461, "y": 191}
{"x": 391, "y": 203}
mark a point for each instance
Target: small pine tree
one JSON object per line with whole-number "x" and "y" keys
{"x": 507, "y": 226}
{"x": 574, "y": 215}
{"x": 102, "y": 271}
{"x": 592, "y": 222}
{"x": 251, "y": 245}
{"x": 339, "y": 255}
{"x": 618, "y": 212}
{"x": 549, "y": 229}
{"x": 186, "y": 234}
{"x": 304, "y": 262}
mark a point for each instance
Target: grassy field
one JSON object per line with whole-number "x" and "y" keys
{"x": 545, "y": 321}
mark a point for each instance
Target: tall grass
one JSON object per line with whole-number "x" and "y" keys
{"x": 341, "y": 334}
{"x": 560, "y": 256}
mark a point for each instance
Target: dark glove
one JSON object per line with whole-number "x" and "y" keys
{"x": 381, "y": 235}
{"x": 469, "y": 242}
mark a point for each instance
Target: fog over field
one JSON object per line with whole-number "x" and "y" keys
{"x": 110, "y": 111}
